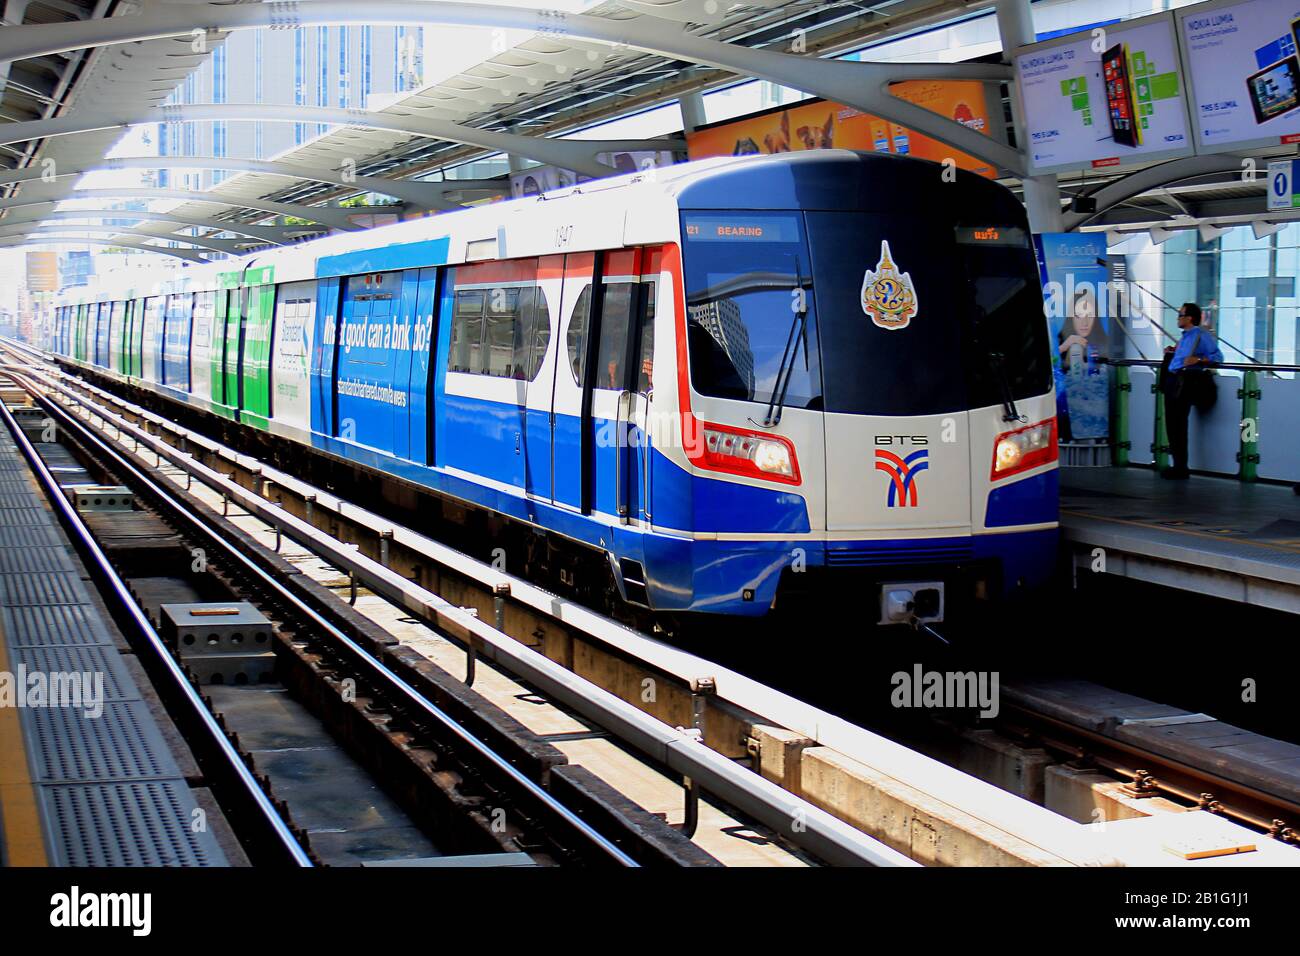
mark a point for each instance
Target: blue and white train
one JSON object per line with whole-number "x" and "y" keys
{"x": 730, "y": 381}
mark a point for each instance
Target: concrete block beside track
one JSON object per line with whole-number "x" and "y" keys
{"x": 1086, "y": 796}
{"x": 1004, "y": 763}
{"x": 906, "y": 819}
{"x": 779, "y": 755}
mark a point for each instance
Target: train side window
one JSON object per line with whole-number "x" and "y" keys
{"x": 577, "y": 337}
{"x": 502, "y": 333}
{"x": 645, "y": 366}
{"x": 541, "y": 334}
{"x": 615, "y": 316}
{"x": 466, "y": 332}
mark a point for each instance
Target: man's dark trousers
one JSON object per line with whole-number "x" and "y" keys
{"x": 1177, "y": 411}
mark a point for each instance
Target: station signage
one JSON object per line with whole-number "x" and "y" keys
{"x": 1281, "y": 184}
{"x": 1243, "y": 72}
{"x": 1104, "y": 97}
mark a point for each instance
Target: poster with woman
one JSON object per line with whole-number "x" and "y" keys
{"x": 1075, "y": 286}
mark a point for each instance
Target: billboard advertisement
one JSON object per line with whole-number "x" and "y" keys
{"x": 43, "y": 271}
{"x": 1243, "y": 71}
{"x": 1076, "y": 285}
{"x": 819, "y": 124}
{"x": 1103, "y": 97}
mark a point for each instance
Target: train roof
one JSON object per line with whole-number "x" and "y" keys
{"x": 631, "y": 209}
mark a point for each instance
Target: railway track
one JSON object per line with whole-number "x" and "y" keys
{"x": 804, "y": 826}
{"x": 729, "y": 712}
{"x": 445, "y": 767}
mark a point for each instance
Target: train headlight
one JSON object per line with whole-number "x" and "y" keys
{"x": 1008, "y": 454}
{"x": 1024, "y": 448}
{"x": 742, "y": 452}
{"x": 773, "y": 458}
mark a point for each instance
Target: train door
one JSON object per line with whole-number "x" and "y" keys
{"x": 232, "y": 334}
{"x": 549, "y": 305}
{"x": 366, "y": 359}
{"x": 255, "y": 354}
{"x": 116, "y": 336}
{"x": 203, "y": 346}
{"x": 605, "y": 449}
{"x": 420, "y": 430}
{"x": 137, "y": 338}
{"x": 568, "y": 432}
{"x": 152, "y": 335}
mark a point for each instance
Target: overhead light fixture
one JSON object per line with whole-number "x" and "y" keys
{"x": 1210, "y": 232}
{"x": 1159, "y": 235}
{"x": 1263, "y": 228}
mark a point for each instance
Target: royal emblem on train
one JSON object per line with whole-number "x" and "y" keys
{"x": 888, "y": 295}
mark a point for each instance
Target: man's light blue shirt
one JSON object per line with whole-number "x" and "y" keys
{"x": 1197, "y": 341}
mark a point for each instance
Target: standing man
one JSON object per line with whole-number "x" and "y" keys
{"x": 1184, "y": 362}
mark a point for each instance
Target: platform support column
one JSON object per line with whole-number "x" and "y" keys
{"x": 1042, "y": 194}
{"x": 1248, "y": 457}
{"x": 693, "y": 113}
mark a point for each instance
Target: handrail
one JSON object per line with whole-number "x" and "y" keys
{"x": 1231, "y": 366}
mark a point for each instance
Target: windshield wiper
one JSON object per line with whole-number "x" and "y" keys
{"x": 997, "y": 365}
{"x": 1009, "y": 411}
{"x": 785, "y": 370}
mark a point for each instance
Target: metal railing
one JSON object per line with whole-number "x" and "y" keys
{"x": 1249, "y": 394}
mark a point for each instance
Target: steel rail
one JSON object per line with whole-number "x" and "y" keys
{"x": 803, "y": 824}
{"x": 1235, "y": 798}
{"x": 972, "y": 797}
{"x": 375, "y": 668}
{"x": 265, "y": 813}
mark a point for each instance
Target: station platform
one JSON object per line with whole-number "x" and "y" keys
{"x": 1230, "y": 539}
{"x": 91, "y": 773}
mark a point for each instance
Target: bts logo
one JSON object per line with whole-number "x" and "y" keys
{"x": 902, "y": 474}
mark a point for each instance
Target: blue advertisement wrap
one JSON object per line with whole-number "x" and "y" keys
{"x": 1075, "y": 285}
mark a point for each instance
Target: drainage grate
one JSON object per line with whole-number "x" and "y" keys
{"x": 24, "y": 518}
{"x": 117, "y": 683}
{"x": 148, "y": 823}
{"x": 57, "y": 587}
{"x": 36, "y": 626}
{"x": 33, "y": 560}
{"x": 34, "y": 537}
{"x": 123, "y": 743}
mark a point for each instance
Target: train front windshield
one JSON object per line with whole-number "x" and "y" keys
{"x": 903, "y": 317}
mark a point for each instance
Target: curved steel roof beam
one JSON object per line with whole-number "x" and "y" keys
{"x": 575, "y": 154}
{"x": 276, "y": 235}
{"x": 226, "y": 246}
{"x": 423, "y": 195}
{"x": 861, "y": 85}
{"x": 1143, "y": 180}
{"x": 189, "y": 255}
{"x": 329, "y": 216}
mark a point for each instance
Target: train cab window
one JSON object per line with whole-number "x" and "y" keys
{"x": 744, "y": 273}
